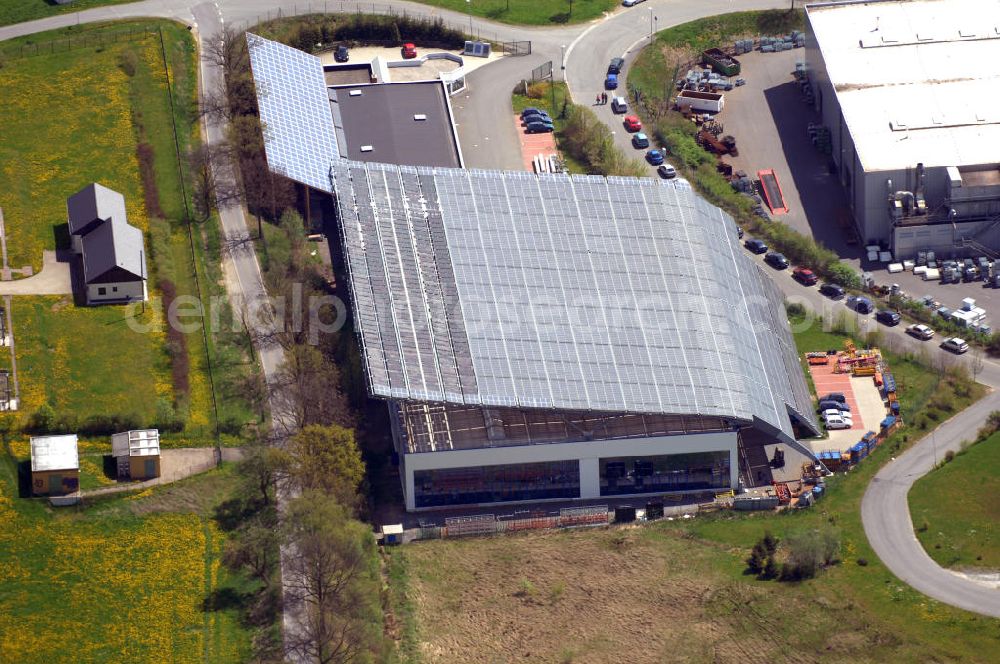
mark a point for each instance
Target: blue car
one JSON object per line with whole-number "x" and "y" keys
{"x": 539, "y": 128}
{"x": 655, "y": 157}
{"x": 611, "y": 82}
{"x": 531, "y": 110}
{"x": 640, "y": 141}
{"x": 541, "y": 116}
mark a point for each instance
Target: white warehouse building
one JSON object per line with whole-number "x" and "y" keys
{"x": 544, "y": 337}
{"x": 910, "y": 92}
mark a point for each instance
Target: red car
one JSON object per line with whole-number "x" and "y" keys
{"x": 632, "y": 123}
{"x": 409, "y": 51}
{"x": 804, "y": 276}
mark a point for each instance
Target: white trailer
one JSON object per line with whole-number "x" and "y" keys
{"x": 708, "y": 102}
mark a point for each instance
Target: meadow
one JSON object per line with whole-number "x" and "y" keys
{"x": 956, "y": 508}
{"x": 114, "y": 122}
{"x": 127, "y": 579}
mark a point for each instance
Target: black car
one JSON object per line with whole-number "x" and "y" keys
{"x": 888, "y": 317}
{"x": 616, "y": 66}
{"x": 540, "y": 116}
{"x": 776, "y": 260}
{"x": 341, "y": 55}
{"x": 756, "y": 246}
{"x": 832, "y": 291}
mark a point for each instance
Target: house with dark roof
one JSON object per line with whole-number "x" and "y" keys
{"x": 111, "y": 250}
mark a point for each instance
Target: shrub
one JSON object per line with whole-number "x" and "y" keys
{"x": 589, "y": 141}
{"x": 42, "y": 420}
{"x": 949, "y": 456}
{"x": 862, "y": 562}
{"x": 808, "y": 552}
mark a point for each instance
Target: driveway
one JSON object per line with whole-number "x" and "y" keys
{"x": 55, "y": 278}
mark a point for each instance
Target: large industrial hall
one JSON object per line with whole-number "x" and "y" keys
{"x": 910, "y": 92}
{"x": 543, "y": 337}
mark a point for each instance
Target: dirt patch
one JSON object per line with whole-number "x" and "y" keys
{"x": 637, "y": 595}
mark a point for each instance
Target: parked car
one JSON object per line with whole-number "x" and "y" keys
{"x": 616, "y": 65}
{"x": 640, "y": 141}
{"x": 835, "y": 405}
{"x": 756, "y": 246}
{"x": 540, "y": 116}
{"x": 860, "y": 304}
{"x": 955, "y": 345}
{"x": 655, "y": 157}
{"x": 619, "y": 105}
{"x": 631, "y": 3}
{"x": 632, "y": 123}
{"x": 611, "y": 82}
{"x": 668, "y": 172}
{"x": 539, "y": 128}
{"x": 409, "y": 51}
{"x": 920, "y": 331}
{"x": 834, "y": 412}
{"x": 888, "y": 317}
{"x": 531, "y": 110}
{"x": 776, "y": 260}
{"x": 832, "y": 291}
{"x": 805, "y": 276}
{"x": 838, "y": 423}
{"x": 834, "y": 396}
{"x": 341, "y": 55}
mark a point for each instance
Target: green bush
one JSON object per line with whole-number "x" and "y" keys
{"x": 589, "y": 141}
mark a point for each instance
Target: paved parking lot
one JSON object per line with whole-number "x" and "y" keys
{"x": 864, "y": 399}
{"x": 769, "y": 120}
{"x": 533, "y": 144}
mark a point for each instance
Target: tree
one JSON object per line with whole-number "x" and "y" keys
{"x": 263, "y": 468}
{"x": 331, "y": 583}
{"x": 327, "y": 459}
{"x": 254, "y": 548}
{"x": 306, "y": 390}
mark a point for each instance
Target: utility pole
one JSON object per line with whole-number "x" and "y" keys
{"x": 468, "y": 5}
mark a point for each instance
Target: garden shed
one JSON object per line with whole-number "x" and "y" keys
{"x": 55, "y": 465}
{"x": 137, "y": 454}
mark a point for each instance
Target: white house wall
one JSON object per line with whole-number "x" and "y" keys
{"x": 588, "y": 453}
{"x": 131, "y": 290}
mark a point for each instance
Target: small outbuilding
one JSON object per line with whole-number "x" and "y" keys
{"x": 55, "y": 465}
{"x": 111, "y": 250}
{"x": 137, "y": 454}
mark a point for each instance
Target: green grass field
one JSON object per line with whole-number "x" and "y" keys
{"x": 122, "y": 580}
{"x": 113, "y": 96}
{"x": 854, "y": 611}
{"x": 956, "y": 508}
{"x": 17, "y": 11}
{"x": 506, "y": 11}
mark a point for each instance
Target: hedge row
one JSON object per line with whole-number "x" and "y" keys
{"x": 305, "y": 33}
{"x": 589, "y": 141}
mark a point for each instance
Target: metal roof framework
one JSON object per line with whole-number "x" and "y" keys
{"x": 576, "y": 293}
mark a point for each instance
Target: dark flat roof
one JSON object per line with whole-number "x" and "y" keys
{"x": 382, "y": 117}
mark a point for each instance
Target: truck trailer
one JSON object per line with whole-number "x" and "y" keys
{"x": 707, "y": 102}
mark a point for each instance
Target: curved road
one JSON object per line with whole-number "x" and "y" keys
{"x": 588, "y": 48}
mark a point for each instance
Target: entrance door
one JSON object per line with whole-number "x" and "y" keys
{"x": 55, "y": 484}
{"x": 149, "y": 468}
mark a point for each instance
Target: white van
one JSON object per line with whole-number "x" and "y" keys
{"x": 619, "y": 105}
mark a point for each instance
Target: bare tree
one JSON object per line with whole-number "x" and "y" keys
{"x": 976, "y": 362}
{"x": 227, "y": 49}
{"x": 306, "y": 390}
{"x": 213, "y": 181}
{"x": 330, "y": 579}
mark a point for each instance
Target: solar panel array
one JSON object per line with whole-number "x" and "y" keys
{"x": 573, "y": 293}
{"x": 295, "y": 112}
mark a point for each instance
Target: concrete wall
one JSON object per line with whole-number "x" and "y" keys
{"x": 116, "y": 292}
{"x": 587, "y": 453}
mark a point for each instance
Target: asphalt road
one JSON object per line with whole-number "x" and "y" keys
{"x": 587, "y": 51}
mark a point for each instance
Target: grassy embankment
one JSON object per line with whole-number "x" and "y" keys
{"x": 582, "y": 596}
{"x": 956, "y": 508}
{"x": 102, "y": 113}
